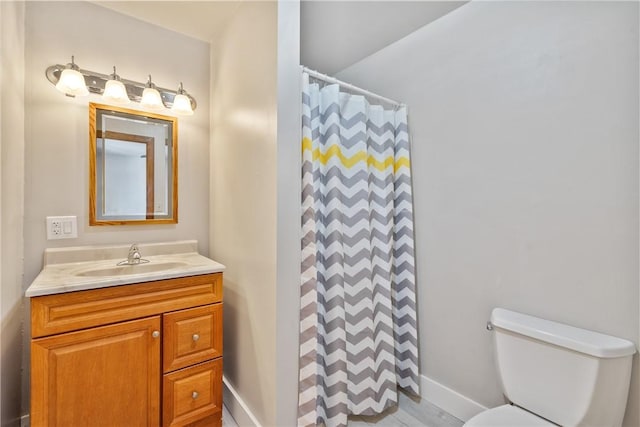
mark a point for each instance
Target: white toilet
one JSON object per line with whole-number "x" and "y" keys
{"x": 555, "y": 374}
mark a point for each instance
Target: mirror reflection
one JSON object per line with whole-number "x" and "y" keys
{"x": 133, "y": 160}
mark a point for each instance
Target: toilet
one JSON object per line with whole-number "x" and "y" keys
{"x": 555, "y": 374}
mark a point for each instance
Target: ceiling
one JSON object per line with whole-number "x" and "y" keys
{"x": 334, "y": 34}
{"x": 203, "y": 20}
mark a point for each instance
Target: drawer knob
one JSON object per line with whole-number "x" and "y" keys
{"x": 195, "y": 337}
{"x": 194, "y": 395}
{"x": 155, "y": 334}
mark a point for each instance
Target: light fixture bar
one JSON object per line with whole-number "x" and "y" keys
{"x": 96, "y": 82}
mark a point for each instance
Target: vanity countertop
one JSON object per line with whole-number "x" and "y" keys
{"x": 89, "y": 267}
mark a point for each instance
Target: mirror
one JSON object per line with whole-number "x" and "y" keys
{"x": 133, "y": 159}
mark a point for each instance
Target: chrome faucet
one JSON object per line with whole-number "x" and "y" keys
{"x": 134, "y": 257}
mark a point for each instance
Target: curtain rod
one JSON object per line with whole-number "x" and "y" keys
{"x": 333, "y": 80}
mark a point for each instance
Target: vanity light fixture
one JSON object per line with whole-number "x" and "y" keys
{"x": 71, "y": 81}
{"x": 114, "y": 90}
{"x": 181, "y": 103}
{"x": 83, "y": 82}
{"x": 151, "y": 98}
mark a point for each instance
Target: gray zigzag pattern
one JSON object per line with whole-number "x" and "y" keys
{"x": 407, "y": 366}
{"x": 358, "y": 268}
{"x": 337, "y": 124}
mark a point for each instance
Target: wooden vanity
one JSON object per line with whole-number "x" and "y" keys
{"x": 142, "y": 354}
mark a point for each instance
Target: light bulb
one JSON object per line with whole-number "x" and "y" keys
{"x": 71, "y": 81}
{"x": 151, "y": 98}
{"x": 182, "y": 103}
{"x": 114, "y": 90}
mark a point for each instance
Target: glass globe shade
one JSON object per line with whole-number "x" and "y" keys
{"x": 72, "y": 83}
{"x": 182, "y": 105}
{"x": 151, "y": 99}
{"x": 114, "y": 91}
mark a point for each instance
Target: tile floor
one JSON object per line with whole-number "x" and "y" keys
{"x": 409, "y": 413}
{"x": 227, "y": 419}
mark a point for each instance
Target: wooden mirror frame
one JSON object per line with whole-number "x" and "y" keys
{"x": 93, "y": 178}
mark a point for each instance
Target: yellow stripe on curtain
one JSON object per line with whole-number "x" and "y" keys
{"x": 360, "y": 156}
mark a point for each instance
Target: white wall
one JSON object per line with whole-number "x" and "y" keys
{"x": 289, "y": 228}
{"x": 524, "y": 119}
{"x": 244, "y": 202}
{"x": 57, "y": 126}
{"x": 255, "y": 206}
{"x": 12, "y": 17}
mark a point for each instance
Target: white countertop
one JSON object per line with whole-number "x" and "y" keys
{"x": 69, "y": 269}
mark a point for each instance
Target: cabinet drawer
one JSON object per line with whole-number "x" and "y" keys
{"x": 58, "y": 313}
{"x": 192, "y": 336}
{"x": 214, "y": 420}
{"x": 192, "y": 394}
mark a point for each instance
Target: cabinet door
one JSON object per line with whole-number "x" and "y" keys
{"x": 107, "y": 376}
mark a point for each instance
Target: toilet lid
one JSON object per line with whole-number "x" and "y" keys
{"x": 507, "y": 416}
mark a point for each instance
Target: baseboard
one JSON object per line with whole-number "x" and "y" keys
{"x": 451, "y": 401}
{"x": 237, "y": 407}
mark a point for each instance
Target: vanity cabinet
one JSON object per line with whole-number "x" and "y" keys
{"x": 145, "y": 354}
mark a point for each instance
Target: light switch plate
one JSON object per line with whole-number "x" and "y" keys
{"x": 62, "y": 227}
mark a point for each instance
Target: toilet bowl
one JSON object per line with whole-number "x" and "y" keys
{"x": 556, "y": 374}
{"x": 507, "y": 416}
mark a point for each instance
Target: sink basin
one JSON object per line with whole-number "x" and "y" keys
{"x": 125, "y": 270}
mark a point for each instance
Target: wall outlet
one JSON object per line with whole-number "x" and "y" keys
{"x": 62, "y": 227}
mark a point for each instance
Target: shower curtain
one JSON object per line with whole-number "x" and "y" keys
{"x": 358, "y": 337}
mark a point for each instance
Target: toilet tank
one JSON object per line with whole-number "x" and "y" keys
{"x": 568, "y": 375}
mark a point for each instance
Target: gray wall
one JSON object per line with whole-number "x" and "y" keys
{"x": 57, "y": 126}
{"x": 11, "y": 207}
{"x": 524, "y": 119}
{"x": 244, "y": 201}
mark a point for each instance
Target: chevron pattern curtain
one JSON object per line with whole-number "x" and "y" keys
{"x": 358, "y": 330}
